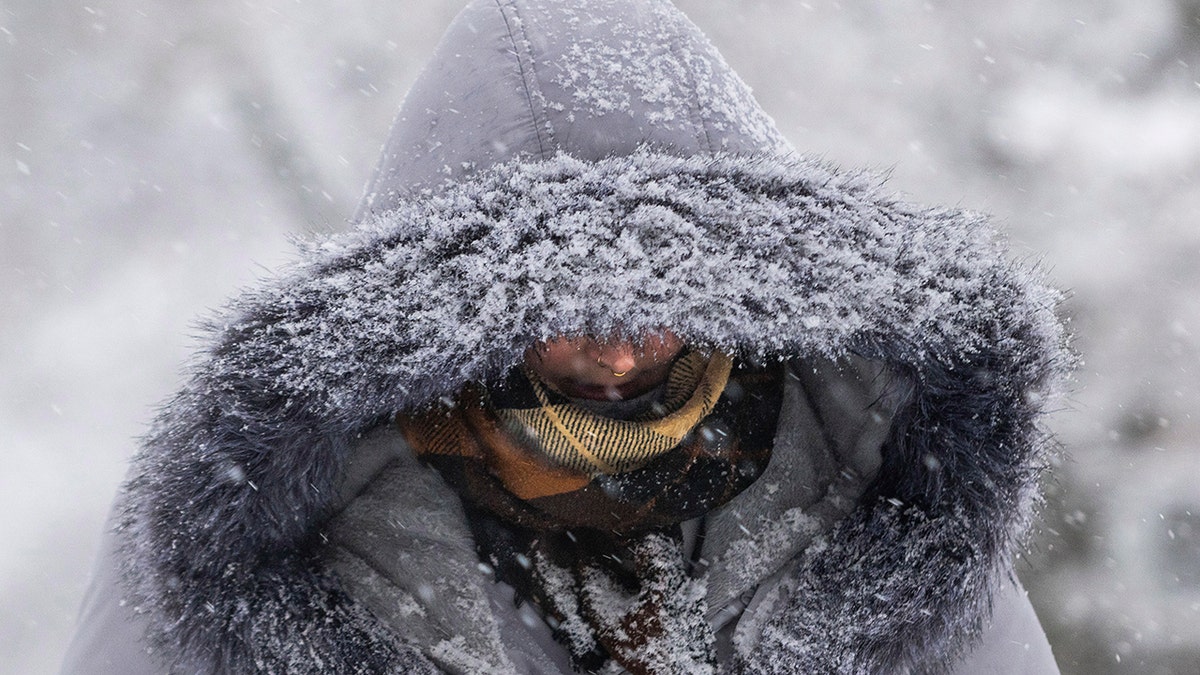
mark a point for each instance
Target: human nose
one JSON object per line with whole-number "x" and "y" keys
{"x": 617, "y": 357}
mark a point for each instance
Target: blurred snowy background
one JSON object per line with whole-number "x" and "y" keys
{"x": 156, "y": 156}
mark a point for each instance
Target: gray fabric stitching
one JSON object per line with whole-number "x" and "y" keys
{"x": 697, "y": 113}
{"x": 521, "y": 68}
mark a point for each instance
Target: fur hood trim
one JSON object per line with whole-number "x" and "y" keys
{"x": 768, "y": 258}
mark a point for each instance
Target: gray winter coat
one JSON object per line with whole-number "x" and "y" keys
{"x": 562, "y": 168}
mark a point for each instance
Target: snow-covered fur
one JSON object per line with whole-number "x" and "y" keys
{"x": 769, "y": 259}
{"x": 764, "y": 256}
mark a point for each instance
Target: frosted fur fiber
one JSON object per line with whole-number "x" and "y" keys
{"x": 772, "y": 258}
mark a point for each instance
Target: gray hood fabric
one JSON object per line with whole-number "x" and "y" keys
{"x": 571, "y": 168}
{"x": 593, "y": 80}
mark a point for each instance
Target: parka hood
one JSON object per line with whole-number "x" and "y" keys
{"x": 533, "y": 79}
{"x": 591, "y": 168}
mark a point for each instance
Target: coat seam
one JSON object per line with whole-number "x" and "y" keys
{"x": 525, "y": 80}
{"x": 693, "y": 100}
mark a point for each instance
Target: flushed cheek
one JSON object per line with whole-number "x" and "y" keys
{"x": 661, "y": 347}
{"x": 583, "y": 363}
{"x": 573, "y": 364}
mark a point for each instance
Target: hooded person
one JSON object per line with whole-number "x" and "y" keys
{"x": 824, "y": 458}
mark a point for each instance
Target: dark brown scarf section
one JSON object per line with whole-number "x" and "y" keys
{"x": 599, "y": 553}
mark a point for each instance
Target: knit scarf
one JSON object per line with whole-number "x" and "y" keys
{"x": 580, "y": 512}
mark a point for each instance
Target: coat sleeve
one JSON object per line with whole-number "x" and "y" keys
{"x": 108, "y": 632}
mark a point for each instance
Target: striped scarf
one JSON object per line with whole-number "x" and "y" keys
{"x": 586, "y": 442}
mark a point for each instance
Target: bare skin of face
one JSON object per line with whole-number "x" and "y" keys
{"x": 604, "y": 369}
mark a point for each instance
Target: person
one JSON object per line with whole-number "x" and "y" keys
{"x": 607, "y": 377}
